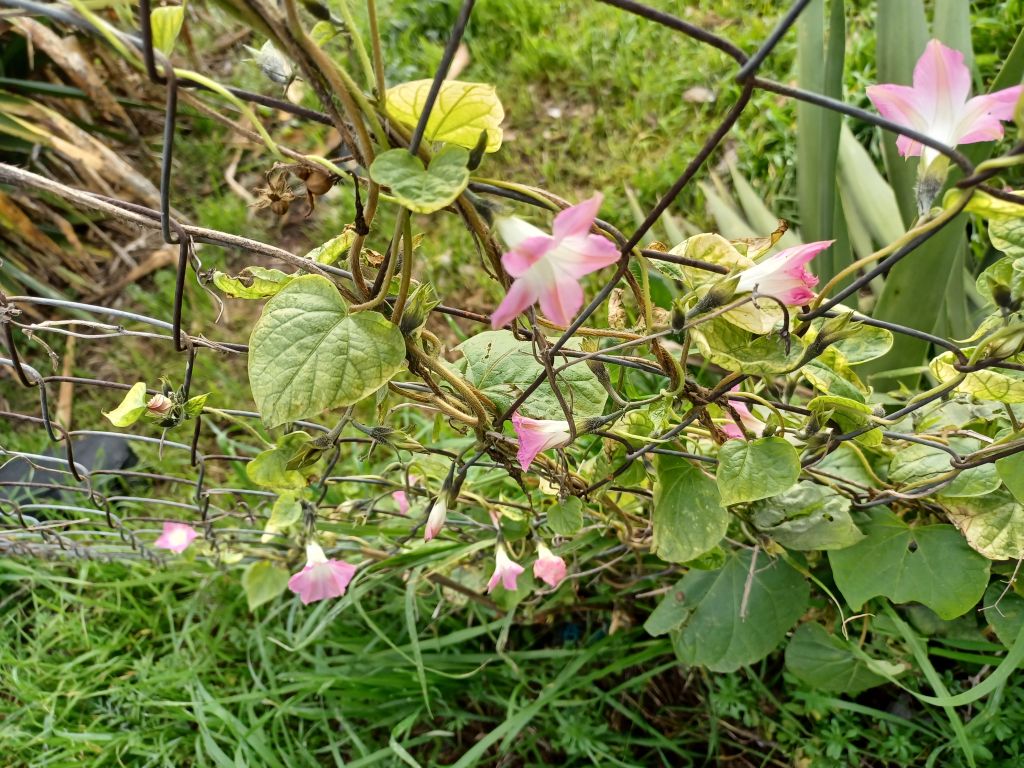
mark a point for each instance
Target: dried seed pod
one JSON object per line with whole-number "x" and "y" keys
{"x": 320, "y": 182}
{"x": 280, "y": 206}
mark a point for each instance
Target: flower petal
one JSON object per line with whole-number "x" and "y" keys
{"x": 402, "y": 500}
{"x": 549, "y": 567}
{"x": 521, "y": 295}
{"x": 176, "y": 537}
{"x": 903, "y": 105}
{"x": 576, "y": 220}
{"x": 536, "y": 435}
{"x": 980, "y": 120}
{"x": 514, "y": 230}
{"x": 529, "y": 251}
{"x": 942, "y": 81}
{"x": 578, "y": 256}
{"x": 561, "y": 299}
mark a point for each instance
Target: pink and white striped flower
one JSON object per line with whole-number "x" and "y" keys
{"x": 547, "y": 268}
{"x": 506, "y": 570}
{"x": 548, "y": 567}
{"x": 938, "y": 106}
{"x": 176, "y": 537}
{"x": 321, "y": 578}
{"x": 536, "y": 435}
{"x": 784, "y": 276}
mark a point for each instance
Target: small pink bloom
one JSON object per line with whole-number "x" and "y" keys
{"x": 536, "y": 435}
{"x": 749, "y": 420}
{"x": 159, "y": 404}
{"x": 321, "y": 578}
{"x": 548, "y": 566}
{"x": 547, "y": 268}
{"x": 938, "y": 106}
{"x": 784, "y": 276}
{"x": 505, "y": 570}
{"x": 176, "y": 537}
{"x": 402, "y": 501}
{"x": 435, "y": 520}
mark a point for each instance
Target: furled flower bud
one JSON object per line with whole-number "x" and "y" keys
{"x": 435, "y": 520}
{"x": 159, "y": 405}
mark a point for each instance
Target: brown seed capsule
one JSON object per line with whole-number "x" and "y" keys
{"x": 280, "y": 207}
{"x": 319, "y": 182}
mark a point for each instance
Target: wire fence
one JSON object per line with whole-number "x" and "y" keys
{"x": 52, "y": 503}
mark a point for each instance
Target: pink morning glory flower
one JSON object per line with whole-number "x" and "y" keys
{"x": 548, "y": 566}
{"x": 938, "y": 106}
{"x": 435, "y": 520}
{"x": 402, "y": 501}
{"x": 176, "y": 537}
{"x": 321, "y": 578}
{"x": 749, "y": 420}
{"x": 784, "y": 276}
{"x": 536, "y": 435}
{"x": 547, "y": 268}
{"x": 506, "y": 570}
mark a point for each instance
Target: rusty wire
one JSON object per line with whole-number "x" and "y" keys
{"x": 98, "y": 522}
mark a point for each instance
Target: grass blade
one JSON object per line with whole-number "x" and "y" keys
{"x": 820, "y": 70}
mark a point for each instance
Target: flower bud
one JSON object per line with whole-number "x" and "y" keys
{"x": 159, "y": 405}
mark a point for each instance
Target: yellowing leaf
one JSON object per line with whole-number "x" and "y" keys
{"x": 461, "y": 112}
{"x": 252, "y": 282}
{"x": 1002, "y": 385}
{"x": 131, "y": 408}
{"x": 166, "y": 25}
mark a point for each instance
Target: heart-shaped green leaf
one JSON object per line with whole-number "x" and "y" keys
{"x": 262, "y": 582}
{"x": 928, "y": 564}
{"x": 308, "y": 354}
{"x": 420, "y": 189}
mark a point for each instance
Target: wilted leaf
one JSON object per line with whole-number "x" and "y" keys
{"x": 807, "y": 516}
{"x": 253, "y": 282}
{"x": 992, "y": 524}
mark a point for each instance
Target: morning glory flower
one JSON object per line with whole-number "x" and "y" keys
{"x": 435, "y": 520}
{"x": 547, "y": 268}
{"x": 548, "y": 566}
{"x": 176, "y": 537}
{"x": 321, "y": 578}
{"x": 784, "y": 276}
{"x": 506, "y": 570}
{"x": 536, "y": 435}
{"x": 749, "y": 420}
{"x": 938, "y": 106}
